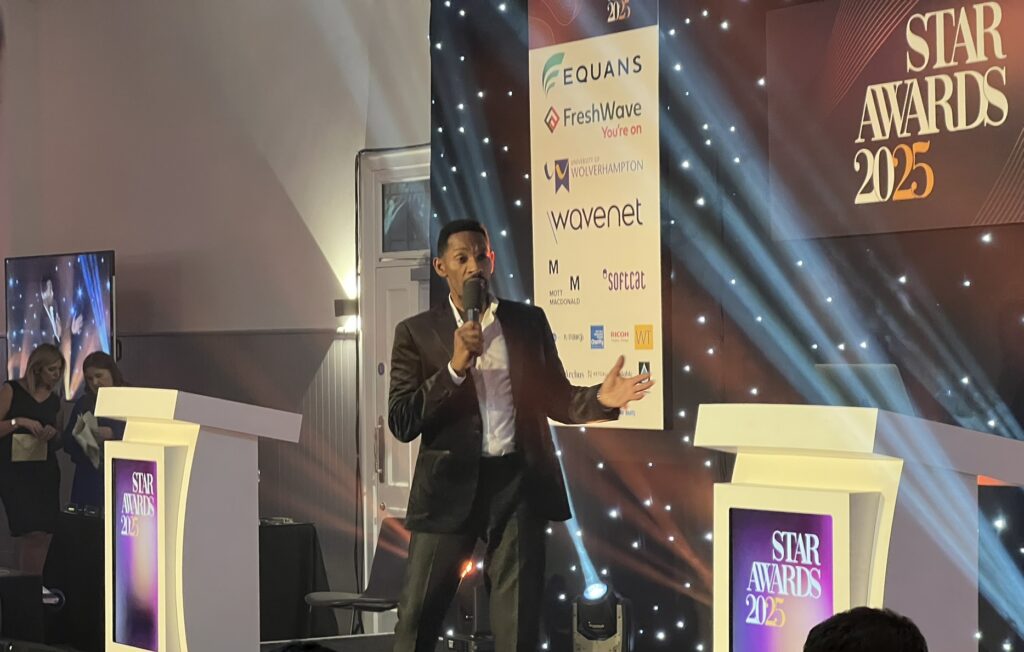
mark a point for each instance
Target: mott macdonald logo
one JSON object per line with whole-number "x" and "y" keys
{"x": 597, "y": 337}
{"x": 560, "y": 175}
{"x": 554, "y": 72}
{"x": 602, "y": 216}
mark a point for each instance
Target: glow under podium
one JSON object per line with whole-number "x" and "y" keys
{"x": 835, "y": 507}
{"x": 182, "y": 520}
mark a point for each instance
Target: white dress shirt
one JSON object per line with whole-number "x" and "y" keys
{"x": 493, "y": 384}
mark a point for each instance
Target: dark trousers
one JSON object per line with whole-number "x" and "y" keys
{"x": 514, "y": 564}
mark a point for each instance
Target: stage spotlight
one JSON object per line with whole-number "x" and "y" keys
{"x": 602, "y": 621}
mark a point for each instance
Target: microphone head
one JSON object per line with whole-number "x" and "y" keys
{"x": 474, "y": 294}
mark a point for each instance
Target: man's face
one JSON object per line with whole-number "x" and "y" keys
{"x": 468, "y": 255}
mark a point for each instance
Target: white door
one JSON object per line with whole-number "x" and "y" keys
{"x": 394, "y": 256}
{"x": 400, "y": 295}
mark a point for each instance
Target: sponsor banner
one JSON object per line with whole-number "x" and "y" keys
{"x": 893, "y": 116}
{"x": 782, "y": 578}
{"x": 596, "y": 200}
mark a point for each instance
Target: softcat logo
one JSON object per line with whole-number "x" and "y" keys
{"x": 560, "y": 175}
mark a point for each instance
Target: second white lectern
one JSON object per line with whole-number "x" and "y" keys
{"x": 834, "y": 507}
{"x": 182, "y": 520}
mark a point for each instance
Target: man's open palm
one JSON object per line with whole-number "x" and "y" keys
{"x": 617, "y": 390}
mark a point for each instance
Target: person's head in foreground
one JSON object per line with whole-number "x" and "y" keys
{"x": 864, "y": 629}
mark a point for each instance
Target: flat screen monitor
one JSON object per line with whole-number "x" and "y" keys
{"x": 781, "y": 579}
{"x": 136, "y": 536}
{"x": 66, "y": 300}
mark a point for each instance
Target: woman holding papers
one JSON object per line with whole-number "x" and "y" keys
{"x": 29, "y": 475}
{"x": 85, "y": 435}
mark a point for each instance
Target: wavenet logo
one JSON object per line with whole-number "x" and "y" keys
{"x": 604, "y": 216}
{"x": 643, "y": 336}
{"x": 561, "y": 175}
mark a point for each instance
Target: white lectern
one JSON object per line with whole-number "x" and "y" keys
{"x": 182, "y": 520}
{"x": 835, "y": 507}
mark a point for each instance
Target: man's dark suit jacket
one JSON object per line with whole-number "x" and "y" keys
{"x": 425, "y": 401}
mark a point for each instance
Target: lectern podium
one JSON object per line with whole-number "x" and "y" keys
{"x": 835, "y": 507}
{"x": 182, "y": 520}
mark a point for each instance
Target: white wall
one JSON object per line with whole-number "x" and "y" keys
{"x": 210, "y": 142}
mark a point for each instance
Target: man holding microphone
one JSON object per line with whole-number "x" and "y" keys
{"x": 477, "y": 379}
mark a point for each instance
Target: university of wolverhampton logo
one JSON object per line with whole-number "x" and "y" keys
{"x": 551, "y": 71}
{"x": 551, "y": 119}
{"x": 561, "y": 174}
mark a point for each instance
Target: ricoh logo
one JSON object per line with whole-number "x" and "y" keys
{"x": 619, "y": 335}
{"x": 604, "y": 216}
{"x": 554, "y": 73}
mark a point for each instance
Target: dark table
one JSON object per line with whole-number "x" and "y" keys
{"x": 291, "y": 565}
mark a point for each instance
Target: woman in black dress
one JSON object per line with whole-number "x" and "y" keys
{"x": 29, "y": 475}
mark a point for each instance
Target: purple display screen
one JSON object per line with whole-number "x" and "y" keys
{"x": 136, "y": 553}
{"x": 781, "y": 578}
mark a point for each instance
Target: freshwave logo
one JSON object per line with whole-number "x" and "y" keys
{"x": 552, "y": 71}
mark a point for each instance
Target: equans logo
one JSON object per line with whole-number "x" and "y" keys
{"x": 551, "y": 70}
{"x": 597, "y": 337}
{"x": 643, "y": 336}
{"x": 561, "y": 175}
{"x": 554, "y": 72}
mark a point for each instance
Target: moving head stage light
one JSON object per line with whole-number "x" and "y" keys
{"x": 601, "y": 621}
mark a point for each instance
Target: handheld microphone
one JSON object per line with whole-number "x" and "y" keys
{"x": 474, "y": 293}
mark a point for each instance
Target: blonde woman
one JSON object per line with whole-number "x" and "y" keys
{"x": 29, "y": 475}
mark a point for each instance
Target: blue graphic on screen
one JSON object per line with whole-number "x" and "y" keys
{"x": 65, "y": 300}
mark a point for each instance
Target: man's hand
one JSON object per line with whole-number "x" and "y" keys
{"x": 469, "y": 343}
{"x": 617, "y": 391}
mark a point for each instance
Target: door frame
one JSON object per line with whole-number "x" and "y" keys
{"x": 374, "y": 168}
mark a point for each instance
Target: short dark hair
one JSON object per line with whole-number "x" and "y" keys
{"x": 458, "y": 226}
{"x": 863, "y": 629}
